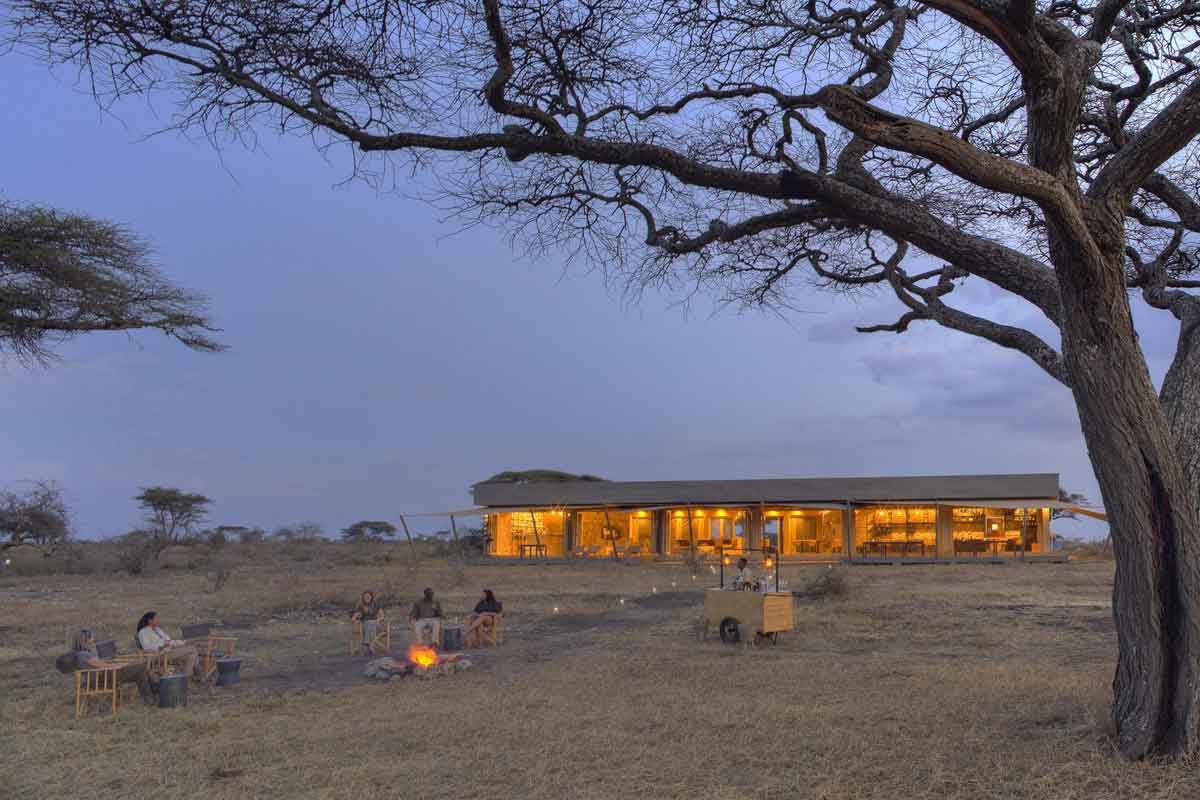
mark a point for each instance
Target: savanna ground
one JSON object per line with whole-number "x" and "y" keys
{"x": 918, "y": 682}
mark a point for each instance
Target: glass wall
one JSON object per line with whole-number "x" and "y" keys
{"x": 979, "y": 531}
{"x": 903, "y": 531}
{"x": 711, "y": 528}
{"x": 514, "y": 534}
{"x": 808, "y": 531}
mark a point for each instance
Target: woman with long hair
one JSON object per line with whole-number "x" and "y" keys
{"x": 487, "y": 610}
{"x": 153, "y": 639}
{"x": 369, "y": 615}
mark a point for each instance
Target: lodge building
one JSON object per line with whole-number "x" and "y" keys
{"x": 931, "y": 518}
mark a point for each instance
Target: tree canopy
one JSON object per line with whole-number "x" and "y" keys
{"x": 37, "y": 516}
{"x": 171, "y": 513}
{"x": 537, "y": 476}
{"x": 368, "y": 531}
{"x": 64, "y": 274}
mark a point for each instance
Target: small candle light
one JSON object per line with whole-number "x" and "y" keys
{"x": 556, "y": 609}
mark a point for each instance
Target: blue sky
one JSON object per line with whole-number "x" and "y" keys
{"x": 381, "y": 360}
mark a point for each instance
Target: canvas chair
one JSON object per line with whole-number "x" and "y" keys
{"x": 382, "y": 638}
{"x": 98, "y": 682}
{"x": 491, "y": 632}
{"x": 209, "y": 647}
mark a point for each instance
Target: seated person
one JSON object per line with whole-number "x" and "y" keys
{"x": 744, "y": 579}
{"x": 153, "y": 639}
{"x": 426, "y": 619}
{"x": 486, "y": 611}
{"x": 84, "y": 646}
{"x": 370, "y": 615}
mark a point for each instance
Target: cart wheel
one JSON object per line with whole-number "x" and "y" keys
{"x": 729, "y": 631}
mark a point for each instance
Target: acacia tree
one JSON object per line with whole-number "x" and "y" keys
{"x": 1042, "y": 147}
{"x": 369, "y": 530}
{"x": 171, "y": 513}
{"x": 64, "y": 274}
{"x": 38, "y": 516}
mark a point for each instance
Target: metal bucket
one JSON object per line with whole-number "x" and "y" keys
{"x": 172, "y": 691}
{"x": 452, "y": 638}
{"x": 228, "y": 671}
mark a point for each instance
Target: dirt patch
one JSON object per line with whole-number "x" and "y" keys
{"x": 670, "y": 600}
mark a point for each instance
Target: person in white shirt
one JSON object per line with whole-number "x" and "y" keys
{"x": 744, "y": 579}
{"x": 153, "y": 639}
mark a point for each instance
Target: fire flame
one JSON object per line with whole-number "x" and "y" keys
{"x": 422, "y": 656}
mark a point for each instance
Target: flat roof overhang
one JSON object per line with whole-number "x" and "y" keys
{"x": 1030, "y": 502}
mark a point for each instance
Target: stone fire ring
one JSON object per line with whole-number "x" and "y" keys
{"x": 388, "y": 668}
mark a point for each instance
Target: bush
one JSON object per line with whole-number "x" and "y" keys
{"x": 831, "y": 583}
{"x": 135, "y": 552}
{"x": 252, "y": 536}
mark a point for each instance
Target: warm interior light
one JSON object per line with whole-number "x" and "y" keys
{"x": 726, "y": 561}
{"x": 768, "y": 563}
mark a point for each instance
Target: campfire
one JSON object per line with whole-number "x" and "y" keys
{"x": 421, "y": 661}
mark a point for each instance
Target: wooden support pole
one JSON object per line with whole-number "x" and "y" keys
{"x": 457, "y": 542}
{"x": 408, "y": 535}
{"x": 691, "y": 534}
{"x": 536, "y": 536}
{"x": 608, "y": 527}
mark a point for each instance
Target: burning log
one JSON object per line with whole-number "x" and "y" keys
{"x": 421, "y": 662}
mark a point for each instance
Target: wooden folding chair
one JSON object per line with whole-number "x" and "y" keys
{"x": 209, "y": 647}
{"x": 99, "y": 682}
{"x": 381, "y": 640}
{"x": 491, "y": 630}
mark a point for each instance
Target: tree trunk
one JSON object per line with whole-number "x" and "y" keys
{"x": 1180, "y": 397}
{"x": 1150, "y": 505}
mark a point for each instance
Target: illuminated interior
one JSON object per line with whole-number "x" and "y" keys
{"x": 597, "y": 532}
{"x": 895, "y": 531}
{"x": 712, "y": 529}
{"x": 884, "y": 531}
{"x": 994, "y": 531}
{"x": 515, "y": 533}
{"x": 806, "y": 531}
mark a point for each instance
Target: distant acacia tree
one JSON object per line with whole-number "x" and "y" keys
{"x": 63, "y": 274}
{"x": 369, "y": 531}
{"x": 1074, "y": 498}
{"x": 171, "y": 513}
{"x": 1042, "y": 148}
{"x": 38, "y": 516}
{"x": 299, "y": 532}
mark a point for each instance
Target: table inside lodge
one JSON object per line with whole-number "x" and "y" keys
{"x": 995, "y": 545}
{"x": 901, "y": 545}
{"x": 532, "y": 549}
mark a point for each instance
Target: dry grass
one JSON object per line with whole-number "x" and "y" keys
{"x": 916, "y": 682}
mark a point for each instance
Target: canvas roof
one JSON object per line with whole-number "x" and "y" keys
{"x": 1042, "y": 487}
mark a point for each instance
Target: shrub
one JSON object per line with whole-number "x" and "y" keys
{"x": 219, "y": 575}
{"x": 830, "y": 583}
{"x": 135, "y": 552}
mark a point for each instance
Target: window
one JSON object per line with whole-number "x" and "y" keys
{"x": 720, "y": 530}
{"x": 771, "y": 526}
{"x": 895, "y": 531}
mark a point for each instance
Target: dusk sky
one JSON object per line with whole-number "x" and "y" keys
{"x": 382, "y": 361}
